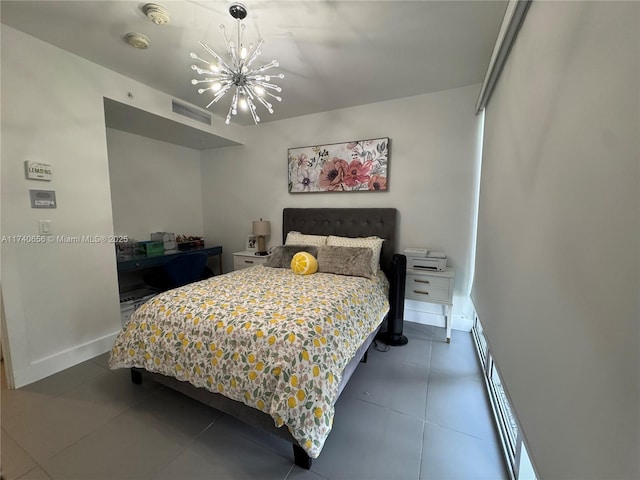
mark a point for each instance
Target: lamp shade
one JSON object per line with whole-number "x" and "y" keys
{"x": 262, "y": 228}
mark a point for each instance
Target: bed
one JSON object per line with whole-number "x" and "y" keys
{"x": 269, "y": 347}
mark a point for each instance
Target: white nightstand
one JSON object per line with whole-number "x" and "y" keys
{"x": 247, "y": 259}
{"x": 433, "y": 287}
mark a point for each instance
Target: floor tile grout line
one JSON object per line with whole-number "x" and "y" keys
{"x": 404, "y": 414}
{"x": 186, "y": 446}
{"x": 424, "y": 430}
{"x": 31, "y": 470}
{"x": 426, "y": 401}
{"x": 289, "y": 472}
{"x": 467, "y": 434}
{"x": 35, "y": 462}
{"x": 88, "y": 434}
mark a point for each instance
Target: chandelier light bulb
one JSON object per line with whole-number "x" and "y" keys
{"x": 236, "y": 74}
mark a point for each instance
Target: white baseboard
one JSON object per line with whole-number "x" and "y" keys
{"x": 45, "y": 367}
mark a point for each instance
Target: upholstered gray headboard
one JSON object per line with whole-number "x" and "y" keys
{"x": 346, "y": 222}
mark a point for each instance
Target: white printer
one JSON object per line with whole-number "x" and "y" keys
{"x": 425, "y": 259}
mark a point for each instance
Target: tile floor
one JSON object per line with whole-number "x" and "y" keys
{"x": 415, "y": 412}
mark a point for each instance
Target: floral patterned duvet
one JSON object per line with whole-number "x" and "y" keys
{"x": 264, "y": 336}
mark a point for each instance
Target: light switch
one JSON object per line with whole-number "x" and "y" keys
{"x": 44, "y": 227}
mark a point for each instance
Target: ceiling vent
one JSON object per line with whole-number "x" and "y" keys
{"x": 190, "y": 112}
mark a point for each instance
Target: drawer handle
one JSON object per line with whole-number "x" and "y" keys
{"x": 423, "y": 293}
{"x": 424, "y": 267}
{"x": 422, "y": 281}
{"x": 248, "y": 261}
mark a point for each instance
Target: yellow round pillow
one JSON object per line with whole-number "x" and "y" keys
{"x": 303, "y": 263}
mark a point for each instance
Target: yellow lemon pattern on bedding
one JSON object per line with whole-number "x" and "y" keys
{"x": 303, "y": 263}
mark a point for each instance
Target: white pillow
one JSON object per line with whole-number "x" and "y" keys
{"x": 374, "y": 243}
{"x": 297, "y": 238}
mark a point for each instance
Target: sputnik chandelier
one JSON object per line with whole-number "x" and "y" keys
{"x": 251, "y": 84}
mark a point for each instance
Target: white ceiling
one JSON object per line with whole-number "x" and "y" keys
{"x": 334, "y": 54}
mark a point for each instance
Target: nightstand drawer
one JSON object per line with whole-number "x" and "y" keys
{"x": 247, "y": 259}
{"x": 426, "y": 281}
{"x": 245, "y": 262}
{"x": 428, "y": 288}
{"x": 428, "y": 294}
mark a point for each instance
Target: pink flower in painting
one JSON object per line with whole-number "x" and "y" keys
{"x": 377, "y": 182}
{"x": 357, "y": 173}
{"x": 302, "y": 160}
{"x": 332, "y": 174}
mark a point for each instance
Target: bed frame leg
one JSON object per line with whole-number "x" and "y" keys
{"x": 136, "y": 376}
{"x": 301, "y": 458}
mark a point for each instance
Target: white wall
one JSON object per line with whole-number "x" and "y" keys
{"x": 155, "y": 186}
{"x": 558, "y": 262}
{"x": 432, "y": 173}
{"x": 60, "y": 300}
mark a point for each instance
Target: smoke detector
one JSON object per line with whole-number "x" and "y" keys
{"x": 137, "y": 40}
{"x": 156, "y": 13}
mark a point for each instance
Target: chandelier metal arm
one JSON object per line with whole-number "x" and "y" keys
{"x": 252, "y": 110}
{"x": 222, "y": 65}
{"x": 220, "y": 94}
{"x": 211, "y": 52}
{"x": 273, "y": 96}
{"x": 256, "y": 53}
{"x": 269, "y": 65}
{"x": 266, "y": 104}
{"x": 269, "y": 85}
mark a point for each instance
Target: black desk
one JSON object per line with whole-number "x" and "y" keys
{"x": 127, "y": 263}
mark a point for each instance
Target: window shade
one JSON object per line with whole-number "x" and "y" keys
{"x": 557, "y": 268}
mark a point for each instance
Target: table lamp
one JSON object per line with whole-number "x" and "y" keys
{"x": 261, "y": 229}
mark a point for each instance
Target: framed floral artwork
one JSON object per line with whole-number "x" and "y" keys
{"x": 357, "y": 166}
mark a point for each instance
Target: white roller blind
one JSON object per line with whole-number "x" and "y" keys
{"x": 558, "y": 248}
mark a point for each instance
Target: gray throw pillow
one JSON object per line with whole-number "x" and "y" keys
{"x": 353, "y": 261}
{"x": 281, "y": 256}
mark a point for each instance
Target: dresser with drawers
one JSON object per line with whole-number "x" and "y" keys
{"x": 432, "y": 286}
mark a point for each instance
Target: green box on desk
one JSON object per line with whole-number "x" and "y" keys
{"x": 150, "y": 248}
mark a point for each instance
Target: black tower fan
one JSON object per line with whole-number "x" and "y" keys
{"x": 393, "y": 335}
